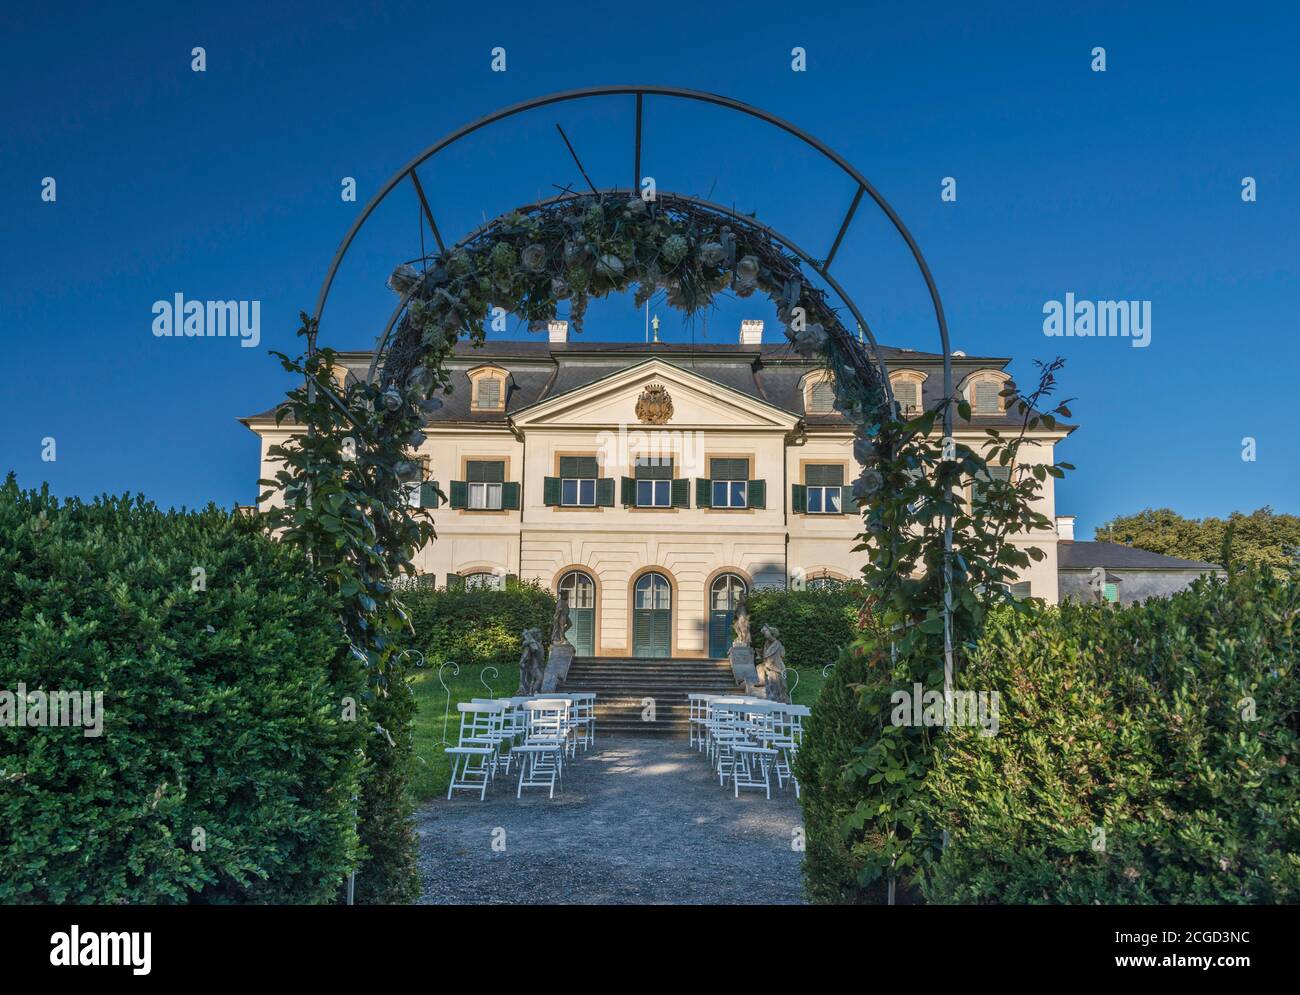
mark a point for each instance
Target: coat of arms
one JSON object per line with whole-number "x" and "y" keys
{"x": 654, "y": 406}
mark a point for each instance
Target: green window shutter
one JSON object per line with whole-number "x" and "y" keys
{"x": 703, "y": 493}
{"x": 604, "y": 492}
{"x": 459, "y": 493}
{"x": 627, "y": 490}
{"x": 512, "y": 580}
{"x": 455, "y": 582}
{"x": 681, "y": 495}
{"x": 640, "y": 629}
{"x": 822, "y": 398}
{"x": 729, "y": 469}
{"x": 906, "y": 394}
{"x": 758, "y": 493}
{"x": 429, "y": 494}
{"x": 510, "y": 495}
{"x": 485, "y": 471}
{"x": 659, "y": 469}
{"x": 987, "y": 401}
{"x": 824, "y": 475}
{"x": 551, "y": 491}
{"x": 581, "y": 467}
{"x": 799, "y": 497}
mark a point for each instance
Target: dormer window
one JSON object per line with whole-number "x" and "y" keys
{"x": 489, "y": 386}
{"x": 906, "y": 385}
{"x": 983, "y": 392}
{"x": 819, "y": 393}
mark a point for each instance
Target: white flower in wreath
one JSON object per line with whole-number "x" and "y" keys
{"x": 610, "y": 266}
{"x": 533, "y": 258}
{"x": 712, "y": 253}
{"x": 560, "y": 288}
{"x": 864, "y": 451}
{"x": 809, "y": 340}
{"x": 868, "y": 484}
{"x": 574, "y": 252}
{"x": 637, "y": 206}
{"x": 746, "y": 275}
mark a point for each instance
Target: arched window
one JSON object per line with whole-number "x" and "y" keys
{"x": 484, "y": 580}
{"x": 823, "y": 581}
{"x": 580, "y": 591}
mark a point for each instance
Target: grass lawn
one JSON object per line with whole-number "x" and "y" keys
{"x": 432, "y": 770}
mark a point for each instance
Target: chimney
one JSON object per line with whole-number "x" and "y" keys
{"x": 1065, "y": 528}
{"x": 751, "y": 331}
{"x": 559, "y": 331}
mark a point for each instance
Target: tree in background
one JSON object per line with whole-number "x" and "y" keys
{"x": 1263, "y": 536}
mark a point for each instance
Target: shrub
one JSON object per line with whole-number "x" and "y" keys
{"x": 223, "y": 710}
{"x": 814, "y": 624}
{"x": 475, "y": 626}
{"x": 1144, "y": 754}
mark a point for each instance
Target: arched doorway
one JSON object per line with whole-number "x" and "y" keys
{"x": 652, "y": 616}
{"x": 581, "y": 592}
{"x": 724, "y": 594}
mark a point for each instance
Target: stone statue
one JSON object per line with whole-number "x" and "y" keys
{"x": 740, "y": 624}
{"x": 531, "y": 662}
{"x": 771, "y": 670}
{"x": 560, "y": 627}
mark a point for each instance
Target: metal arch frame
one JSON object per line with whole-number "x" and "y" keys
{"x": 817, "y": 266}
{"x": 640, "y": 93}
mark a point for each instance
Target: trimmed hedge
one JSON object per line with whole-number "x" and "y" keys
{"x": 223, "y": 710}
{"x": 1170, "y": 727}
{"x": 815, "y": 625}
{"x": 476, "y": 626}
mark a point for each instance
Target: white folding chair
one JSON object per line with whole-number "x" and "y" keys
{"x": 541, "y": 762}
{"x": 473, "y": 759}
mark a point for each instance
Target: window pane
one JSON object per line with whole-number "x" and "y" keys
{"x": 570, "y": 492}
{"x": 493, "y": 495}
{"x": 814, "y": 499}
{"x": 476, "y": 495}
{"x": 738, "y": 494}
{"x": 833, "y": 500}
{"x": 663, "y": 490}
{"x": 645, "y": 490}
{"x": 587, "y": 492}
{"x": 719, "y": 494}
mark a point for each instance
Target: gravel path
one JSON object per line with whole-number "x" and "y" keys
{"x": 638, "y": 821}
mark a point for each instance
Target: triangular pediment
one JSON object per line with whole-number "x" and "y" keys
{"x": 689, "y": 400}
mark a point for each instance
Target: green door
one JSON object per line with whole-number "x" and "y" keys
{"x": 581, "y": 591}
{"x": 725, "y": 594}
{"x": 652, "y": 617}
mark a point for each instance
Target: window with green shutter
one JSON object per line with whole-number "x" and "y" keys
{"x": 825, "y": 488}
{"x": 484, "y": 486}
{"x": 730, "y": 487}
{"x": 979, "y": 486}
{"x": 578, "y": 481}
{"x": 654, "y": 482}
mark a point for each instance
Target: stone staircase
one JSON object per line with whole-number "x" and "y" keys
{"x": 622, "y": 683}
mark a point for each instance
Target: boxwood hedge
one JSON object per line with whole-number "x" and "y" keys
{"x": 227, "y": 768}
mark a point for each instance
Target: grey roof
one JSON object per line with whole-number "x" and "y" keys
{"x": 771, "y": 372}
{"x": 1114, "y": 556}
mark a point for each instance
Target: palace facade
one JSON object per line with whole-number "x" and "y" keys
{"x": 655, "y": 482}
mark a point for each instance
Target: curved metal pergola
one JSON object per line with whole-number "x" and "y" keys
{"x": 821, "y": 266}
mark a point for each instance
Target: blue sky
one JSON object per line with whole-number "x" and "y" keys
{"x": 226, "y": 184}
